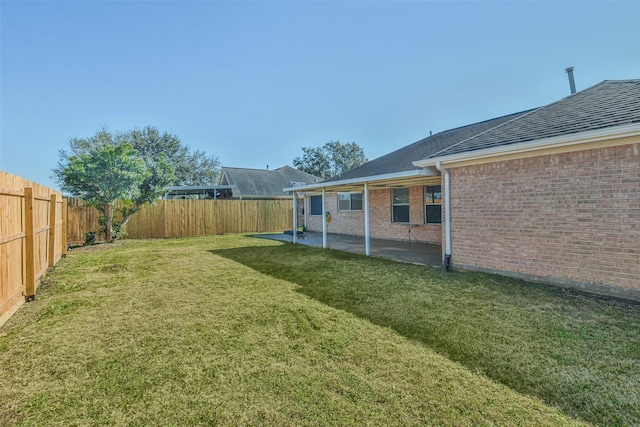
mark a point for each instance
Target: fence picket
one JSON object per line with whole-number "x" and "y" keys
{"x": 185, "y": 218}
{"x": 31, "y": 238}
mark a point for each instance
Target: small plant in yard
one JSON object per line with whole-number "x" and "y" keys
{"x": 232, "y": 330}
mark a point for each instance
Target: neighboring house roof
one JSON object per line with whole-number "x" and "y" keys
{"x": 607, "y": 104}
{"x": 401, "y": 160}
{"x": 263, "y": 183}
{"x": 212, "y": 191}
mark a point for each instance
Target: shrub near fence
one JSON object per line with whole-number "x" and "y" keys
{"x": 32, "y": 238}
{"x": 187, "y": 218}
{"x": 81, "y": 219}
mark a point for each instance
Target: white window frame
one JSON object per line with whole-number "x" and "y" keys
{"x": 350, "y": 195}
{"x": 432, "y": 203}
{"x": 408, "y": 205}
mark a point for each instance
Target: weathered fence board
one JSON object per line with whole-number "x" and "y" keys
{"x": 32, "y": 238}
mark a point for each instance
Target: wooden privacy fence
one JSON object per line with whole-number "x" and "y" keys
{"x": 81, "y": 219}
{"x": 185, "y": 218}
{"x": 32, "y": 238}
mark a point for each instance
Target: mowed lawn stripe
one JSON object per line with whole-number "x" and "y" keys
{"x": 176, "y": 332}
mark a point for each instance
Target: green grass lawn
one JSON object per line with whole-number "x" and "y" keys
{"x": 232, "y": 330}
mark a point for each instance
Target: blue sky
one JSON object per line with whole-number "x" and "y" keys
{"x": 253, "y": 82}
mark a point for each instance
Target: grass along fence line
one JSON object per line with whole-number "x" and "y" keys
{"x": 188, "y": 218}
{"x": 266, "y": 333}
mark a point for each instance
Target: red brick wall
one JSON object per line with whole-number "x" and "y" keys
{"x": 571, "y": 218}
{"x": 380, "y": 218}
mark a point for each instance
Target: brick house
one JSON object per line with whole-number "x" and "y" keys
{"x": 550, "y": 194}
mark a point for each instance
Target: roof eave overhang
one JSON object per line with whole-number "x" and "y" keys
{"x": 374, "y": 181}
{"x": 535, "y": 147}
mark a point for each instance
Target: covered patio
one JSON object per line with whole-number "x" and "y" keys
{"x": 393, "y": 249}
{"x": 405, "y": 251}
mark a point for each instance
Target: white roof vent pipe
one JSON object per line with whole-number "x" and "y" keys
{"x": 572, "y": 82}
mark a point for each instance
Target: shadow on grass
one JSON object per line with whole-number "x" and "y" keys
{"x": 575, "y": 351}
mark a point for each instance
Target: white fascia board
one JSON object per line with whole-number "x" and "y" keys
{"x": 538, "y": 144}
{"x": 362, "y": 180}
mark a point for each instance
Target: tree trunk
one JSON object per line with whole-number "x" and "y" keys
{"x": 108, "y": 221}
{"x": 126, "y": 219}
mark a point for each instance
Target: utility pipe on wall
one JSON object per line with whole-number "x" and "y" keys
{"x": 367, "y": 237}
{"x": 447, "y": 216}
{"x": 304, "y": 213}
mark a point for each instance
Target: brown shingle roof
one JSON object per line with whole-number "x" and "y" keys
{"x": 263, "y": 183}
{"x": 607, "y": 104}
{"x": 401, "y": 160}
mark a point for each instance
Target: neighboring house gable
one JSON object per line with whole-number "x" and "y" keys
{"x": 260, "y": 183}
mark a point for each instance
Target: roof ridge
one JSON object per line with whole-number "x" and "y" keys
{"x": 622, "y": 81}
{"x": 605, "y": 104}
{"x": 245, "y": 169}
{"x": 581, "y": 91}
{"x": 479, "y": 123}
{"x": 452, "y": 130}
{"x": 528, "y": 113}
{"x": 524, "y": 114}
{"x": 260, "y": 170}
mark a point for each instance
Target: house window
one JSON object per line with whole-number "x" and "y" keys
{"x": 400, "y": 203}
{"x": 433, "y": 204}
{"x": 316, "y": 205}
{"x": 349, "y": 201}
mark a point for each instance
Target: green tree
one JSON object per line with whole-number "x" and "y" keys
{"x": 331, "y": 159}
{"x": 106, "y": 168}
{"x": 190, "y": 167}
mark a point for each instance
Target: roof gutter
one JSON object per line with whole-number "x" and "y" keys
{"x": 447, "y": 216}
{"x": 623, "y": 131}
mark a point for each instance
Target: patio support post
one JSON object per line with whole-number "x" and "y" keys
{"x": 367, "y": 239}
{"x": 304, "y": 213}
{"x": 324, "y": 220}
{"x": 295, "y": 219}
{"x": 447, "y": 216}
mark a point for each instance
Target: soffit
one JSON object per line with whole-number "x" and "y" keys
{"x": 377, "y": 185}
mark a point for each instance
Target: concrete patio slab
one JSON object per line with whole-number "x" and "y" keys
{"x": 405, "y": 251}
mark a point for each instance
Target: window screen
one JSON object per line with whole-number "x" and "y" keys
{"x": 400, "y": 202}
{"x": 433, "y": 204}
{"x": 316, "y": 205}
{"x": 350, "y": 201}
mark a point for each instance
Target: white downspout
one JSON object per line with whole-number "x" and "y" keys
{"x": 295, "y": 218}
{"x": 367, "y": 239}
{"x": 447, "y": 216}
{"x": 324, "y": 220}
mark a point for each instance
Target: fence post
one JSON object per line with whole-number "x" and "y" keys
{"x": 64, "y": 228}
{"x": 29, "y": 237}
{"x": 165, "y": 208}
{"x": 53, "y": 207}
